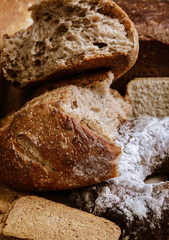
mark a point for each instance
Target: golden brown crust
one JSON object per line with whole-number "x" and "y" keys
{"x": 42, "y": 148}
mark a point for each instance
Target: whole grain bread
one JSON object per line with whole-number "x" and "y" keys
{"x": 14, "y": 16}
{"x": 35, "y": 218}
{"x": 149, "y": 96}
{"x": 63, "y": 138}
{"x": 151, "y": 19}
{"x": 68, "y": 37}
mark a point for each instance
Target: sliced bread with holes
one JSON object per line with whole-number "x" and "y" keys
{"x": 68, "y": 37}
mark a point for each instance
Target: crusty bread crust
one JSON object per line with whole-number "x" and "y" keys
{"x": 118, "y": 61}
{"x": 68, "y": 155}
{"x": 64, "y": 138}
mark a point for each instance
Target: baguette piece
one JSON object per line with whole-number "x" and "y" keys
{"x": 64, "y": 138}
{"x": 149, "y": 96}
{"x": 35, "y": 218}
{"x": 69, "y": 37}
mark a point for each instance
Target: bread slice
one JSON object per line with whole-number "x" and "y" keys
{"x": 149, "y": 96}
{"x": 35, "y": 218}
{"x": 68, "y": 37}
{"x": 63, "y": 138}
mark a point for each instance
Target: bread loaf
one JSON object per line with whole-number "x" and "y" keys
{"x": 149, "y": 96}
{"x": 63, "y": 138}
{"x": 68, "y": 37}
{"x": 34, "y": 218}
{"x": 151, "y": 19}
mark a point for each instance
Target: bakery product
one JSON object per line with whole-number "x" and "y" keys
{"x": 151, "y": 20}
{"x": 14, "y": 16}
{"x": 68, "y": 37}
{"x": 141, "y": 210}
{"x": 35, "y": 218}
{"x": 149, "y": 96}
{"x": 63, "y": 138}
{"x": 7, "y": 197}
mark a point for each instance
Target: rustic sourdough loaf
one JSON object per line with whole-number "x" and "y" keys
{"x": 63, "y": 138}
{"x": 151, "y": 20}
{"x": 149, "y": 96}
{"x": 69, "y": 37}
{"x": 34, "y": 218}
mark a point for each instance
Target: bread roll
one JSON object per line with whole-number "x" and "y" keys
{"x": 68, "y": 37}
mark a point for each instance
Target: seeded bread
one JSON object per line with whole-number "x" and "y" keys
{"x": 34, "y": 218}
{"x": 149, "y": 96}
{"x": 63, "y": 138}
{"x": 151, "y": 19}
{"x": 68, "y": 37}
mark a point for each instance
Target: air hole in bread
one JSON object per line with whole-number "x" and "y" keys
{"x": 74, "y": 104}
{"x": 11, "y": 72}
{"x": 62, "y": 29}
{"x": 37, "y": 62}
{"x": 100, "y": 44}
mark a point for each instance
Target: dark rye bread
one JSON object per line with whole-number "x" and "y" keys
{"x": 35, "y": 218}
{"x": 151, "y": 20}
{"x": 68, "y": 37}
{"x": 63, "y": 138}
